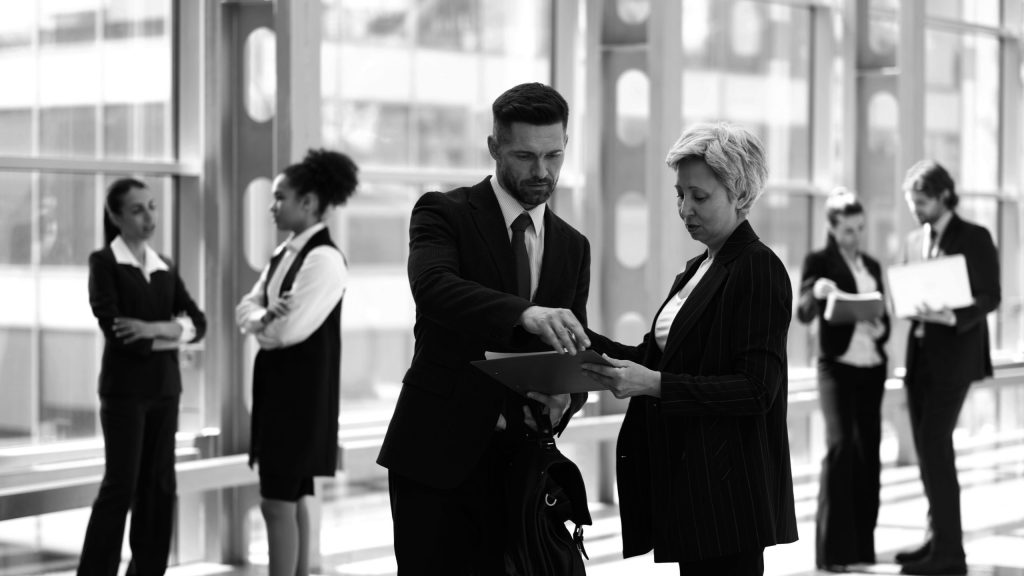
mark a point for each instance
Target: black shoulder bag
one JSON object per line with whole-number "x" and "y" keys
{"x": 544, "y": 490}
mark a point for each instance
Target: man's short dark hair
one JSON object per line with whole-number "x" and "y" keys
{"x": 931, "y": 179}
{"x": 531, "y": 103}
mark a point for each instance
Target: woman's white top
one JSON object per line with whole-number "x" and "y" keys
{"x": 668, "y": 313}
{"x": 318, "y": 287}
{"x": 152, "y": 262}
{"x": 862, "y": 351}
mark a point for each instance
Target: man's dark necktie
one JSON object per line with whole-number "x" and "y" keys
{"x": 933, "y": 249}
{"x": 522, "y": 257}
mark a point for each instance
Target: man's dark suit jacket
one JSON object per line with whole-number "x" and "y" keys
{"x": 463, "y": 278}
{"x": 960, "y": 353}
{"x": 704, "y": 471}
{"x": 833, "y": 340}
{"x": 121, "y": 291}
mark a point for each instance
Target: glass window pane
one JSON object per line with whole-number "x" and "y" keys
{"x": 981, "y": 210}
{"x": 18, "y": 24}
{"x": 749, "y": 63}
{"x": 93, "y": 58}
{"x": 984, "y": 12}
{"x": 16, "y": 135}
{"x": 68, "y": 226}
{"x": 412, "y": 85}
{"x": 781, "y": 220}
{"x": 407, "y": 87}
{"x": 1011, "y": 259}
{"x": 15, "y": 218}
{"x": 16, "y": 422}
{"x": 50, "y": 344}
{"x": 370, "y": 235}
{"x": 67, "y": 408}
{"x": 260, "y": 74}
{"x": 962, "y": 107}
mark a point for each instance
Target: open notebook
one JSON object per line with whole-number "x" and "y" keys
{"x": 847, "y": 308}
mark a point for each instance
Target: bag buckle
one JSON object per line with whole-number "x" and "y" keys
{"x": 577, "y": 538}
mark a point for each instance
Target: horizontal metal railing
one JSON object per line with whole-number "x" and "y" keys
{"x": 67, "y": 476}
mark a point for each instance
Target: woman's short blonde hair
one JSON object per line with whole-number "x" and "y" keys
{"x": 734, "y": 154}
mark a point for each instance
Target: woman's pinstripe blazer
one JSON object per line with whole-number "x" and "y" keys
{"x": 704, "y": 470}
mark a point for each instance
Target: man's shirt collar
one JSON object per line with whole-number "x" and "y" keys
{"x": 942, "y": 223}
{"x": 511, "y": 208}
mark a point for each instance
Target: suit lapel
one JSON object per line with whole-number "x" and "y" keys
{"x": 553, "y": 263}
{"x": 915, "y": 246}
{"x": 843, "y": 275}
{"x": 706, "y": 289}
{"x": 490, "y": 224}
{"x": 950, "y": 236}
{"x": 694, "y": 306}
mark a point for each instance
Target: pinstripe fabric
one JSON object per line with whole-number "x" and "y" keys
{"x": 704, "y": 471}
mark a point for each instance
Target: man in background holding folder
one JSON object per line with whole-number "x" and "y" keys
{"x": 946, "y": 351}
{"x": 491, "y": 267}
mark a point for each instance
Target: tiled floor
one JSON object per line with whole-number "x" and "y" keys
{"x": 356, "y": 531}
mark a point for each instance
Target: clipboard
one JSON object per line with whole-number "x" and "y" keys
{"x": 846, "y": 308}
{"x": 937, "y": 282}
{"x": 544, "y": 372}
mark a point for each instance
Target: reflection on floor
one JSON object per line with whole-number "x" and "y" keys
{"x": 356, "y": 532}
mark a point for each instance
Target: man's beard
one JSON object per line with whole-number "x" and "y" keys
{"x": 530, "y": 192}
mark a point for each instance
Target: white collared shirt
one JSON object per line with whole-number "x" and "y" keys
{"x": 931, "y": 249}
{"x": 510, "y": 210}
{"x": 153, "y": 263}
{"x": 123, "y": 255}
{"x": 317, "y": 289}
{"x": 862, "y": 351}
{"x": 668, "y": 314}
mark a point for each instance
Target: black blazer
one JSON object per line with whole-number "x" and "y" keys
{"x": 833, "y": 340}
{"x": 463, "y": 279}
{"x": 119, "y": 290}
{"x": 960, "y": 353}
{"x": 704, "y": 471}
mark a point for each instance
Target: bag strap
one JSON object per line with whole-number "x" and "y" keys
{"x": 543, "y": 422}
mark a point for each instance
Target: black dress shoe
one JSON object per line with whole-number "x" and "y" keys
{"x": 955, "y": 566}
{"x": 915, "y": 555}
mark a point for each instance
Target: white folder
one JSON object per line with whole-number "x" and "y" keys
{"x": 938, "y": 283}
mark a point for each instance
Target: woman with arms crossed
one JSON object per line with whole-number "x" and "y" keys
{"x": 294, "y": 311}
{"x": 144, "y": 312}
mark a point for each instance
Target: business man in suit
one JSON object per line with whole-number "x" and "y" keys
{"x": 851, "y": 381}
{"x": 946, "y": 351}
{"x": 703, "y": 454}
{"x": 491, "y": 268}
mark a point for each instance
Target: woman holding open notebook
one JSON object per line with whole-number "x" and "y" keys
{"x": 851, "y": 381}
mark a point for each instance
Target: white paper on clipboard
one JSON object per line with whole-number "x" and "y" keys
{"x": 938, "y": 283}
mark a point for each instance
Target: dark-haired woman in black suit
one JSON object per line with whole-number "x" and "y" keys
{"x": 145, "y": 312}
{"x": 294, "y": 311}
{"x": 851, "y": 381}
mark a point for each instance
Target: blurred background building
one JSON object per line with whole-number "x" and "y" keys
{"x": 207, "y": 99}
